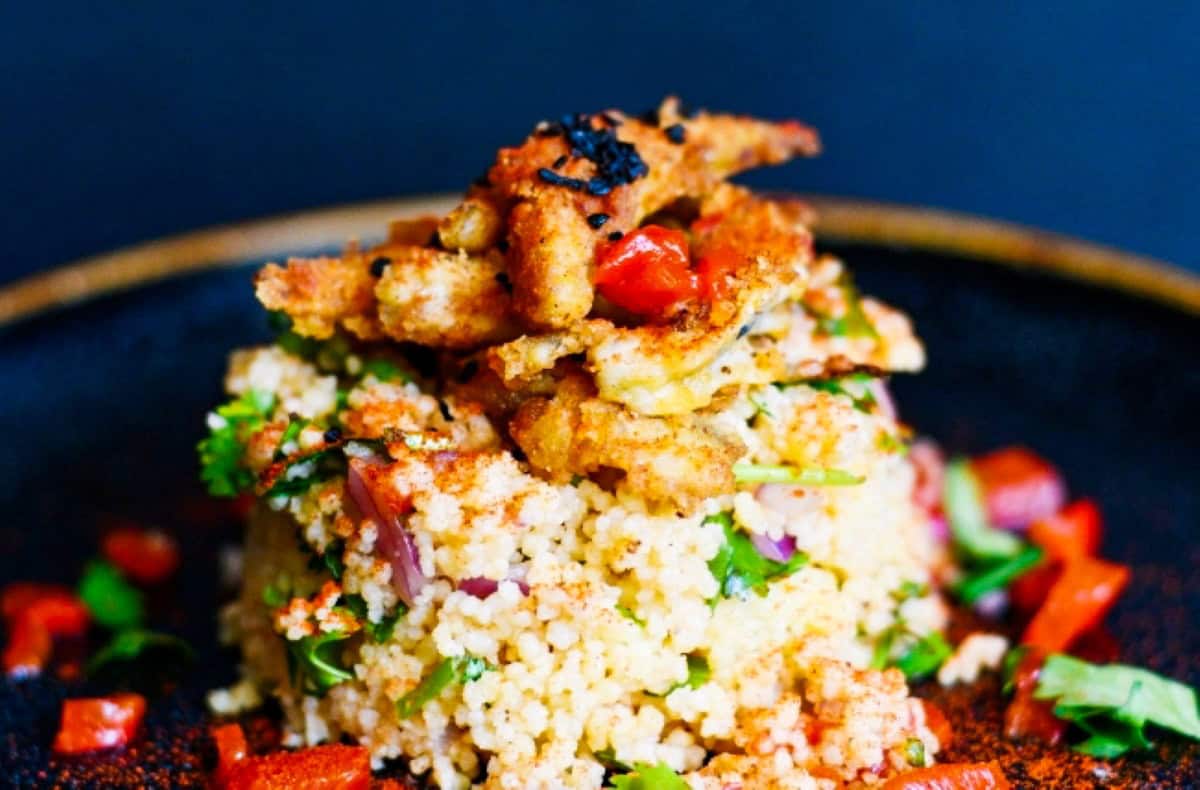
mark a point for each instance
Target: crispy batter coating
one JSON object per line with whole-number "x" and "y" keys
{"x": 474, "y": 226}
{"x": 676, "y": 459}
{"x": 553, "y": 244}
{"x": 318, "y": 293}
{"x": 444, "y": 299}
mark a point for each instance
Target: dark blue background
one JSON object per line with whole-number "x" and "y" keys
{"x": 120, "y": 125}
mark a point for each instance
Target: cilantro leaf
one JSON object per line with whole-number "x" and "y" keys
{"x": 698, "y": 673}
{"x": 1114, "y": 703}
{"x": 112, "y": 601}
{"x": 739, "y": 568}
{"x": 305, "y": 471}
{"x": 963, "y": 503}
{"x": 377, "y": 632}
{"x": 629, "y": 614}
{"x": 803, "y": 475}
{"x": 650, "y": 777}
{"x": 924, "y": 657}
{"x": 133, "y": 649}
{"x": 385, "y": 371}
{"x": 314, "y": 662}
{"x": 997, "y": 576}
{"x": 221, "y": 452}
{"x": 462, "y": 669}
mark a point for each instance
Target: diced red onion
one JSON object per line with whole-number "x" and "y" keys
{"x": 883, "y": 398}
{"x": 930, "y": 465}
{"x": 392, "y": 541}
{"x": 481, "y": 587}
{"x": 1015, "y": 507}
{"x": 778, "y": 550}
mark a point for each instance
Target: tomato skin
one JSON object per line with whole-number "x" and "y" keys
{"x": 148, "y": 556}
{"x": 951, "y": 776}
{"x": 1018, "y": 486}
{"x": 97, "y": 723}
{"x": 329, "y": 767}
{"x": 1078, "y": 601}
{"x": 1075, "y": 531}
{"x": 646, "y": 271}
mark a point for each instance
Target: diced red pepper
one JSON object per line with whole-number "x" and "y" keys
{"x": 329, "y": 767}
{"x": 148, "y": 556}
{"x": 1026, "y": 716}
{"x": 34, "y": 615}
{"x": 938, "y": 724}
{"x": 1073, "y": 531}
{"x": 646, "y": 271}
{"x": 951, "y": 776}
{"x": 1078, "y": 601}
{"x": 231, "y": 745}
{"x": 1030, "y": 589}
{"x": 1018, "y": 487}
{"x": 90, "y": 725}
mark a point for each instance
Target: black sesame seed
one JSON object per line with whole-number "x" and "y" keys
{"x": 597, "y": 220}
{"x": 502, "y": 245}
{"x": 468, "y": 371}
{"x": 550, "y": 177}
{"x": 379, "y": 264}
{"x": 435, "y": 240}
{"x": 598, "y": 186}
{"x": 333, "y": 435}
{"x": 743, "y": 331}
{"x": 675, "y": 133}
{"x": 562, "y": 160}
{"x": 445, "y": 410}
{"x": 505, "y": 283}
{"x": 615, "y": 235}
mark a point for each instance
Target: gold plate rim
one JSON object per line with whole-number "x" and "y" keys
{"x": 842, "y": 219}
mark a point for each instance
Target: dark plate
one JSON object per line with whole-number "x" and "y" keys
{"x": 104, "y": 401}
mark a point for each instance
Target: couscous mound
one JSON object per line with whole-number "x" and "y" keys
{"x": 596, "y": 476}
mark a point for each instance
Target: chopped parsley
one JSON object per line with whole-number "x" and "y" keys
{"x": 112, "y": 601}
{"x": 304, "y": 471}
{"x": 376, "y": 632}
{"x": 739, "y": 568}
{"x": 290, "y": 434}
{"x": 649, "y": 777}
{"x": 221, "y": 466}
{"x": 853, "y": 322}
{"x": 330, "y": 559}
{"x": 1115, "y": 702}
{"x": 314, "y": 664}
{"x": 795, "y": 475}
{"x": 859, "y": 394}
{"x": 385, "y": 371}
{"x": 463, "y": 669}
{"x": 914, "y": 752}
{"x": 924, "y": 657}
{"x": 629, "y": 614}
{"x": 760, "y": 408}
{"x": 997, "y": 576}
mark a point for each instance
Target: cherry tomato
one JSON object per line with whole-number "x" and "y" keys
{"x": 145, "y": 555}
{"x": 1072, "y": 532}
{"x": 951, "y": 776}
{"x": 1078, "y": 601}
{"x": 646, "y": 271}
{"x": 89, "y": 725}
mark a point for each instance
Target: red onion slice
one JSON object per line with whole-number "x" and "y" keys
{"x": 778, "y": 550}
{"x": 392, "y": 542}
{"x": 883, "y": 398}
{"x": 481, "y": 587}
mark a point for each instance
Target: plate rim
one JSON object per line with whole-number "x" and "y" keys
{"x": 838, "y": 218}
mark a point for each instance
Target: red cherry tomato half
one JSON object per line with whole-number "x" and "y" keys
{"x": 646, "y": 271}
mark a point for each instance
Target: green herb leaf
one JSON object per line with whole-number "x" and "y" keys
{"x": 914, "y": 752}
{"x": 650, "y": 777}
{"x": 385, "y": 370}
{"x": 325, "y": 463}
{"x": 629, "y": 614}
{"x": 330, "y": 560}
{"x": 924, "y": 657}
{"x": 1115, "y": 702}
{"x": 463, "y": 669}
{"x": 275, "y": 596}
{"x": 908, "y": 590}
{"x": 221, "y": 452}
{"x": 113, "y": 602}
{"x": 997, "y": 576}
{"x": 1012, "y": 662}
{"x": 864, "y": 400}
{"x": 376, "y": 632}
{"x": 290, "y": 434}
{"x": 316, "y": 664}
{"x": 608, "y": 758}
{"x": 698, "y": 674}
{"x": 739, "y": 568}
{"x": 852, "y": 323}
{"x": 882, "y": 653}
{"x": 137, "y": 646}
{"x": 760, "y": 408}
{"x": 965, "y": 510}
{"x": 804, "y": 475}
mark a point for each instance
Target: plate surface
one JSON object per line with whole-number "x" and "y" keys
{"x": 104, "y": 401}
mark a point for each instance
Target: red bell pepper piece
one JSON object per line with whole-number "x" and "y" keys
{"x": 951, "y": 776}
{"x": 89, "y": 725}
{"x": 329, "y": 767}
{"x": 1078, "y": 601}
{"x": 28, "y": 649}
{"x": 646, "y": 271}
{"x": 34, "y": 615}
{"x": 148, "y": 556}
{"x": 1018, "y": 487}
{"x": 1074, "y": 531}
{"x": 1026, "y": 716}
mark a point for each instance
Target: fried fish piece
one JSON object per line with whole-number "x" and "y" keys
{"x": 563, "y": 178}
{"x": 320, "y": 293}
